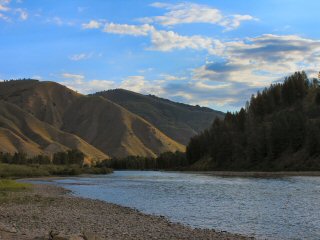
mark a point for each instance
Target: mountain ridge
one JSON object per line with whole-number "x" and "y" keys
{"x": 177, "y": 120}
{"x": 104, "y": 128}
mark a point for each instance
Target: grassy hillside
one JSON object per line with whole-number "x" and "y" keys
{"x": 178, "y": 121}
{"x": 279, "y": 130}
{"x": 22, "y": 132}
{"x": 47, "y": 101}
{"x": 115, "y": 130}
{"x": 46, "y": 117}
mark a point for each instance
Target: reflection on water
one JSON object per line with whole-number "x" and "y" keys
{"x": 278, "y": 208}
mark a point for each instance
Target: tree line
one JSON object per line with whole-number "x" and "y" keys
{"x": 279, "y": 129}
{"x": 167, "y": 160}
{"x": 69, "y": 157}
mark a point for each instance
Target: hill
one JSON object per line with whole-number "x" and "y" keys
{"x": 22, "y": 132}
{"x": 279, "y": 130}
{"x": 57, "y": 114}
{"x": 178, "y": 121}
{"x": 115, "y": 130}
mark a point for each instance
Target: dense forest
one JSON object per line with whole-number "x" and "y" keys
{"x": 165, "y": 161}
{"x": 279, "y": 129}
{"x": 69, "y": 157}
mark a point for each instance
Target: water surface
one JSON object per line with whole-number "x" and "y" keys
{"x": 272, "y": 208}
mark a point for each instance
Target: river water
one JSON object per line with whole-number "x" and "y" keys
{"x": 271, "y": 208}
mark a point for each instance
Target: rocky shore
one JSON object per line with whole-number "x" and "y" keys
{"x": 50, "y": 212}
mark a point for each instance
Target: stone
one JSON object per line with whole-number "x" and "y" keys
{"x": 60, "y": 237}
{"x": 53, "y": 233}
{"x": 90, "y": 236}
{"x": 76, "y": 237}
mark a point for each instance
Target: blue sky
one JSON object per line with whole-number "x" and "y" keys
{"x": 211, "y": 53}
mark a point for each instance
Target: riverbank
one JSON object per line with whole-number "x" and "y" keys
{"x": 45, "y": 209}
{"x": 261, "y": 174}
{"x": 16, "y": 171}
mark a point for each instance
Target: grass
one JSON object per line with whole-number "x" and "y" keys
{"x": 7, "y": 185}
{"x": 19, "y": 171}
{"x": 10, "y": 188}
{"x": 24, "y": 171}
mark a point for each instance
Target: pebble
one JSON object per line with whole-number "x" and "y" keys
{"x": 50, "y": 211}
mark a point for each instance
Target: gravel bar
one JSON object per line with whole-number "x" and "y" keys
{"x": 51, "y": 212}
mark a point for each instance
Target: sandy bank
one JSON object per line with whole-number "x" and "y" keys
{"x": 34, "y": 214}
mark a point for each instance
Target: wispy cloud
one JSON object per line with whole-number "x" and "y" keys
{"x": 169, "y": 40}
{"x": 8, "y": 13}
{"x": 59, "y": 21}
{"x": 186, "y": 13}
{"x": 93, "y": 24}
{"x": 126, "y": 29}
{"x": 259, "y": 61}
{"x": 23, "y": 13}
{"x": 162, "y": 40}
{"x": 81, "y": 56}
{"x": 79, "y": 83}
{"x": 240, "y": 67}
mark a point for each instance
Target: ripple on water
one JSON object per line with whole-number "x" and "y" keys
{"x": 273, "y": 208}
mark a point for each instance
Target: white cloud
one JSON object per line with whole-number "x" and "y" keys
{"x": 164, "y": 40}
{"x": 76, "y": 77}
{"x": 93, "y": 24}
{"x": 244, "y": 67}
{"x": 125, "y": 29}
{"x": 234, "y": 21}
{"x": 77, "y": 82}
{"x": 7, "y": 13}
{"x": 257, "y": 62}
{"x": 23, "y": 14}
{"x": 186, "y": 13}
{"x": 80, "y": 56}
{"x": 169, "y": 40}
{"x": 141, "y": 85}
{"x": 59, "y": 21}
{"x": 4, "y": 8}
{"x": 4, "y": 17}
{"x": 169, "y": 77}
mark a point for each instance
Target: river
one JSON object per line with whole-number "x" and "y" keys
{"x": 272, "y": 208}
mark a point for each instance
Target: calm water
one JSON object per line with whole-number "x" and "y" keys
{"x": 273, "y": 208}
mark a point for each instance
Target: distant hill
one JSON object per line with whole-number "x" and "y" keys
{"x": 178, "y": 121}
{"x": 278, "y": 131}
{"x": 114, "y": 130}
{"x": 45, "y": 117}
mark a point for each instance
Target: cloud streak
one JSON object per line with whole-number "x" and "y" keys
{"x": 93, "y": 24}
{"x": 126, "y": 29}
{"x": 78, "y": 82}
{"x": 187, "y": 13}
{"x": 8, "y": 13}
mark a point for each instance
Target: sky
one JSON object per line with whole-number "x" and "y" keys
{"x": 211, "y": 53}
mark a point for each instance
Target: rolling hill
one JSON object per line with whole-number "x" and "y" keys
{"x": 178, "y": 121}
{"x": 21, "y": 131}
{"x": 44, "y": 117}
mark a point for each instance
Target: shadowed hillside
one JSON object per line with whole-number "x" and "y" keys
{"x": 48, "y": 115}
{"x": 115, "y": 130}
{"x": 176, "y": 120}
